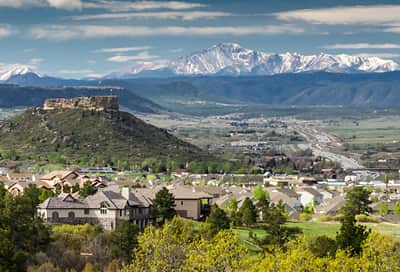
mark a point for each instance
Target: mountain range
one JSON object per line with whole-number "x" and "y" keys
{"x": 230, "y": 59}
{"x": 225, "y": 59}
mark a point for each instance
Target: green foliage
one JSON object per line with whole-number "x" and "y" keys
{"x": 367, "y": 218}
{"x": 163, "y": 205}
{"x": 87, "y": 189}
{"x": 21, "y": 231}
{"x": 124, "y": 240}
{"x": 115, "y": 138}
{"x": 383, "y": 209}
{"x": 259, "y": 193}
{"x": 323, "y": 246}
{"x": 352, "y": 235}
{"x": 218, "y": 220}
{"x": 396, "y": 208}
{"x": 74, "y": 236}
{"x": 278, "y": 234}
{"x": 248, "y": 212}
{"x": 176, "y": 247}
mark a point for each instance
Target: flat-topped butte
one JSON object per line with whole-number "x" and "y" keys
{"x": 97, "y": 103}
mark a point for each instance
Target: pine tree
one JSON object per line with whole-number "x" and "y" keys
{"x": 248, "y": 212}
{"x": 218, "y": 220}
{"x": 163, "y": 205}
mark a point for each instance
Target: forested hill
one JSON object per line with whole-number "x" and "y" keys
{"x": 92, "y": 137}
{"x": 18, "y": 96}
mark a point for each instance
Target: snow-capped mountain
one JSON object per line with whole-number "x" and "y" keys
{"x": 232, "y": 59}
{"x": 7, "y": 72}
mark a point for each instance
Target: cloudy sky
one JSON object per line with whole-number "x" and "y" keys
{"x": 79, "y": 38}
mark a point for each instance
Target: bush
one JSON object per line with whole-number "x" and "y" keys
{"x": 367, "y": 218}
{"x": 326, "y": 218}
{"x": 305, "y": 216}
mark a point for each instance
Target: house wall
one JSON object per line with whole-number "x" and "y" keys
{"x": 188, "y": 208}
{"x": 108, "y": 221}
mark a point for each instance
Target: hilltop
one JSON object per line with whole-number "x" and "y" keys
{"x": 83, "y": 135}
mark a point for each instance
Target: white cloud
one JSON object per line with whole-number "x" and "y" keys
{"x": 122, "y": 49}
{"x": 394, "y": 29}
{"x": 66, "y": 32}
{"x": 362, "y": 46}
{"x": 141, "y": 56}
{"x": 59, "y": 4}
{"x": 35, "y": 61}
{"x": 380, "y": 55}
{"x": 171, "y": 15}
{"x": 6, "y": 31}
{"x": 120, "y": 6}
{"x": 375, "y": 14}
{"x": 76, "y": 72}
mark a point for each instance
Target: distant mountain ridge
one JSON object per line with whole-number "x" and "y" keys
{"x": 230, "y": 59}
{"x": 224, "y": 59}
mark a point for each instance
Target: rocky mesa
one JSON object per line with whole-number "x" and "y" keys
{"x": 97, "y": 103}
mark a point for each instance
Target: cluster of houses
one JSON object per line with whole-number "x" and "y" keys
{"x": 113, "y": 202}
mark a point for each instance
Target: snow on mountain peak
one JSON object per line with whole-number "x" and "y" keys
{"x": 10, "y": 70}
{"x": 233, "y": 59}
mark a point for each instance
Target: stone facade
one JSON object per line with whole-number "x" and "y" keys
{"x": 97, "y": 103}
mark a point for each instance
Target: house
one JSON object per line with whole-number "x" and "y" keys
{"x": 189, "y": 203}
{"x": 287, "y": 196}
{"x": 70, "y": 179}
{"x": 331, "y": 206}
{"x": 17, "y": 188}
{"x": 181, "y": 173}
{"x": 60, "y": 177}
{"x": 309, "y": 196}
{"x": 106, "y": 208}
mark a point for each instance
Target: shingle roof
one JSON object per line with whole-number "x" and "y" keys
{"x": 310, "y": 190}
{"x": 111, "y": 195}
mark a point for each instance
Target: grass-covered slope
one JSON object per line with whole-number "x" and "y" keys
{"x": 81, "y": 135}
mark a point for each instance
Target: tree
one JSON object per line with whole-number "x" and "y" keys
{"x": 396, "y": 208}
{"x": 87, "y": 189}
{"x": 357, "y": 201}
{"x": 352, "y": 235}
{"x": 163, "y": 205}
{"x": 177, "y": 247}
{"x": 218, "y": 220}
{"x": 274, "y": 225}
{"x": 248, "y": 212}
{"x": 259, "y": 193}
{"x": 124, "y": 240}
{"x": 383, "y": 209}
{"x": 323, "y": 246}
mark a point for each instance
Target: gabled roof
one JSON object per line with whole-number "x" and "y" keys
{"x": 310, "y": 190}
{"x": 58, "y": 174}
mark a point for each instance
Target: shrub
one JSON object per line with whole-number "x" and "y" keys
{"x": 367, "y": 218}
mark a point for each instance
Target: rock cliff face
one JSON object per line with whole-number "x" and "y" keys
{"x": 97, "y": 103}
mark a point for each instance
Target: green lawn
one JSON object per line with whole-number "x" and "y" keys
{"x": 313, "y": 229}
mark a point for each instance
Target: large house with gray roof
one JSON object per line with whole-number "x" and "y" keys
{"x": 106, "y": 207}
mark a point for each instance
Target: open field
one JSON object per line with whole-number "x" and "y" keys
{"x": 314, "y": 229}
{"x": 368, "y": 131}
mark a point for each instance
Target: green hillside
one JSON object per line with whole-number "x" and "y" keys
{"x": 81, "y": 136}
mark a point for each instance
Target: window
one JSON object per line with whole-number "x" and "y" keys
{"x": 71, "y": 215}
{"x": 120, "y": 212}
{"x": 86, "y": 211}
{"x": 54, "y": 215}
{"x": 103, "y": 208}
{"x": 181, "y": 202}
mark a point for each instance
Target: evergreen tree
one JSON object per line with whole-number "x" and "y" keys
{"x": 87, "y": 189}
{"x": 124, "y": 240}
{"x": 218, "y": 220}
{"x": 248, "y": 212}
{"x": 352, "y": 235}
{"x": 163, "y": 205}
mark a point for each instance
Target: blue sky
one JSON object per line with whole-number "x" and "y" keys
{"x": 79, "y": 38}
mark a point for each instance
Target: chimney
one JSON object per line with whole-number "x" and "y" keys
{"x": 126, "y": 192}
